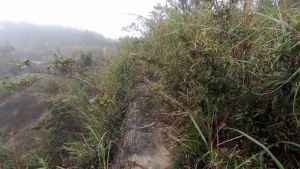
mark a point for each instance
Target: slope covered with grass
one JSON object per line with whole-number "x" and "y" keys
{"x": 81, "y": 124}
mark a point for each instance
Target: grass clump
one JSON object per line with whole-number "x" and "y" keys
{"x": 4, "y": 130}
{"x": 231, "y": 70}
{"x": 15, "y": 113}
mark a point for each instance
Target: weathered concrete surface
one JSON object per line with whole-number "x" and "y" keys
{"x": 142, "y": 145}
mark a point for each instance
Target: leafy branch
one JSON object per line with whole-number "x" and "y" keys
{"x": 59, "y": 66}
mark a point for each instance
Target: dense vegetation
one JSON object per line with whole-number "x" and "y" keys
{"x": 229, "y": 71}
{"x": 82, "y": 122}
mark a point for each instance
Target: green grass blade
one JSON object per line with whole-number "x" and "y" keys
{"x": 201, "y": 158}
{"x": 60, "y": 167}
{"x": 248, "y": 160}
{"x": 294, "y": 103}
{"x": 262, "y": 146}
{"x": 92, "y": 131}
{"x": 292, "y": 18}
{"x": 281, "y": 22}
{"x": 288, "y": 142}
{"x": 200, "y": 132}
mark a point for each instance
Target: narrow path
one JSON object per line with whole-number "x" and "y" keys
{"x": 142, "y": 145}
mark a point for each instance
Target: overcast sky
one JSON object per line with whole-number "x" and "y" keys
{"x": 104, "y": 16}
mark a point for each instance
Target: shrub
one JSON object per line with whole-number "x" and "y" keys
{"x": 85, "y": 59}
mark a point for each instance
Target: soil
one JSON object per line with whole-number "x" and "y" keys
{"x": 143, "y": 145}
{"x": 18, "y": 111}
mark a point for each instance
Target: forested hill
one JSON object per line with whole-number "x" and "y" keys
{"x": 38, "y": 41}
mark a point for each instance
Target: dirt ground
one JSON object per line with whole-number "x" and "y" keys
{"x": 18, "y": 111}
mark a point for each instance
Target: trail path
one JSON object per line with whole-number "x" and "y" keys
{"x": 142, "y": 145}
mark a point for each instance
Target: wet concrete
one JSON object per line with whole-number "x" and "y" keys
{"x": 142, "y": 145}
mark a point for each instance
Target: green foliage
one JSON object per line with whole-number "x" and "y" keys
{"x": 42, "y": 162}
{"x": 85, "y": 59}
{"x": 6, "y": 159}
{"x": 228, "y": 67}
{"x": 103, "y": 113}
{"x": 62, "y": 119}
{"x": 61, "y": 65}
{"x": 51, "y": 85}
{"x": 93, "y": 149}
{"x": 4, "y": 130}
{"x": 18, "y": 82}
{"x": 15, "y": 113}
{"x": 83, "y": 124}
{"x": 59, "y": 126}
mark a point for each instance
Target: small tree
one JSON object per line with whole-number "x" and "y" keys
{"x": 85, "y": 59}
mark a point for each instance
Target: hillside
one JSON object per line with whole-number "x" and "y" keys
{"x": 35, "y": 42}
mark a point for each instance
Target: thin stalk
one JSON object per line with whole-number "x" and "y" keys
{"x": 294, "y": 103}
{"x": 262, "y": 146}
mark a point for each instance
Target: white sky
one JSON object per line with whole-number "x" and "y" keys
{"x": 104, "y": 16}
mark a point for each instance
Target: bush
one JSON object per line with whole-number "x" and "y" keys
{"x": 85, "y": 59}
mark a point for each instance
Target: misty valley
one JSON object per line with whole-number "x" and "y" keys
{"x": 29, "y": 53}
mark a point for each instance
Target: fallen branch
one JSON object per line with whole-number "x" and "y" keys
{"x": 66, "y": 76}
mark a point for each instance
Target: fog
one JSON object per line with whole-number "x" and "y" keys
{"x": 22, "y": 40}
{"x": 105, "y": 17}
{"x": 34, "y": 29}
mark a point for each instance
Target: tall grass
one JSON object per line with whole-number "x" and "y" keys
{"x": 226, "y": 65}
